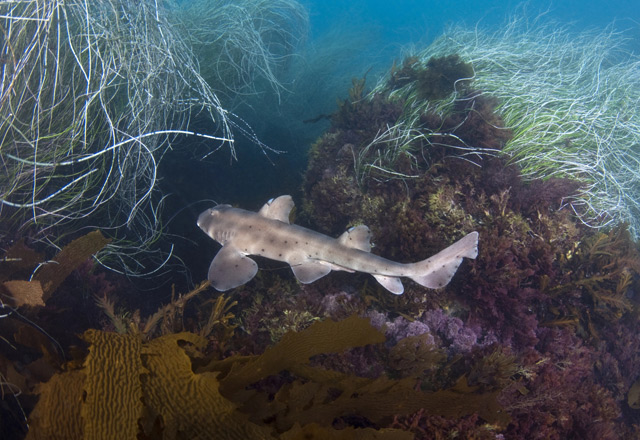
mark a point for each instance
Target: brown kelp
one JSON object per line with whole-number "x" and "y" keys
{"x": 164, "y": 388}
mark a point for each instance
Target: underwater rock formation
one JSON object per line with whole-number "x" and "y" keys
{"x": 538, "y": 316}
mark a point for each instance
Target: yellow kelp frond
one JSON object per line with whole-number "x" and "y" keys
{"x": 70, "y": 257}
{"x": 129, "y": 389}
{"x": 322, "y": 396}
{"x": 189, "y": 404}
{"x": 113, "y": 401}
{"x": 57, "y": 414}
{"x": 19, "y": 263}
{"x": 102, "y": 400}
{"x": 297, "y": 347}
{"x": 127, "y": 385}
{"x": 24, "y": 293}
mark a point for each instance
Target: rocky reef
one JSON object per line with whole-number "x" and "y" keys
{"x": 537, "y": 338}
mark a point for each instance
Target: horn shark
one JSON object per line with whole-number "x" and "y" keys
{"x": 311, "y": 254}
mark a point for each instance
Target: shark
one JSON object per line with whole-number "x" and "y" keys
{"x": 310, "y": 254}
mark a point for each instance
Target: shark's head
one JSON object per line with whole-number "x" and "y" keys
{"x": 209, "y": 221}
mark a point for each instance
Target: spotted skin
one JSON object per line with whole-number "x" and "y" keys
{"x": 310, "y": 254}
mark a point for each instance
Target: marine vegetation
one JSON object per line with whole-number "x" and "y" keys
{"x": 245, "y": 45}
{"x": 570, "y": 101}
{"x": 166, "y": 388}
{"x": 95, "y": 92}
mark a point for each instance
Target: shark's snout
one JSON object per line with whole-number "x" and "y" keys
{"x": 204, "y": 218}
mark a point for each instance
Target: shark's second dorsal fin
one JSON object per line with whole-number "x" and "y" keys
{"x": 358, "y": 237}
{"x": 278, "y": 209}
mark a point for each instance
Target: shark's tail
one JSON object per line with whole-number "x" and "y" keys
{"x": 436, "y": 272}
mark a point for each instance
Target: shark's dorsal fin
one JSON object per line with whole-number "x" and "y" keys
{"x": 358, "y": 237}
{"x": 278, "y": 209}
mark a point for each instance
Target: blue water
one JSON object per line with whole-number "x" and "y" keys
{"x": 410, "y": 21}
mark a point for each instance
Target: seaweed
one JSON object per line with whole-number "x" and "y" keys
{"x": 297, "y": 347}
{"x": 126, "y": 386}
{"x": 29, "y": 354}
{"x": 357, "y": 113}
{"x": 119, "y": 357}
{"x": 313, "y": 431}
{"x": 52, "y": 274}
{"x": 601, "y": 271}
{"x": 214, "y": 319}
{"x": 442, "y": 75}
{"x": 414, "y": 354}
{"x": 436, "y": 79}
{"x": 633, "y": 396}
{"x": 20, "y": 262}
{"x": 167, "y": 387}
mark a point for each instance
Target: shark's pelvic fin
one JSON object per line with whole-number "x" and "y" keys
{"x": 278, "y": 209}
{"x": 230, "y": 268}
{"x": 392, "y": 284}
{"x": 436, "y": 272}
{"x": 358, "y": 237}
{"x": 310, "y": 271}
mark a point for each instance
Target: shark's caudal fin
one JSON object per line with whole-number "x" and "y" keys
{"x": 436, "y": 272}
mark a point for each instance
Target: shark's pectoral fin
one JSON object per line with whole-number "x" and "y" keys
{"x": 308, "y": 271}
{"x": 392, "y": 284}
{"x": 358, "y": 237}
{"x": 230, "y": 268}
{"x": 278, "y": 208}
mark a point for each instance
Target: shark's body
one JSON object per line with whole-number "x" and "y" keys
{"x": 310, "y": 254}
